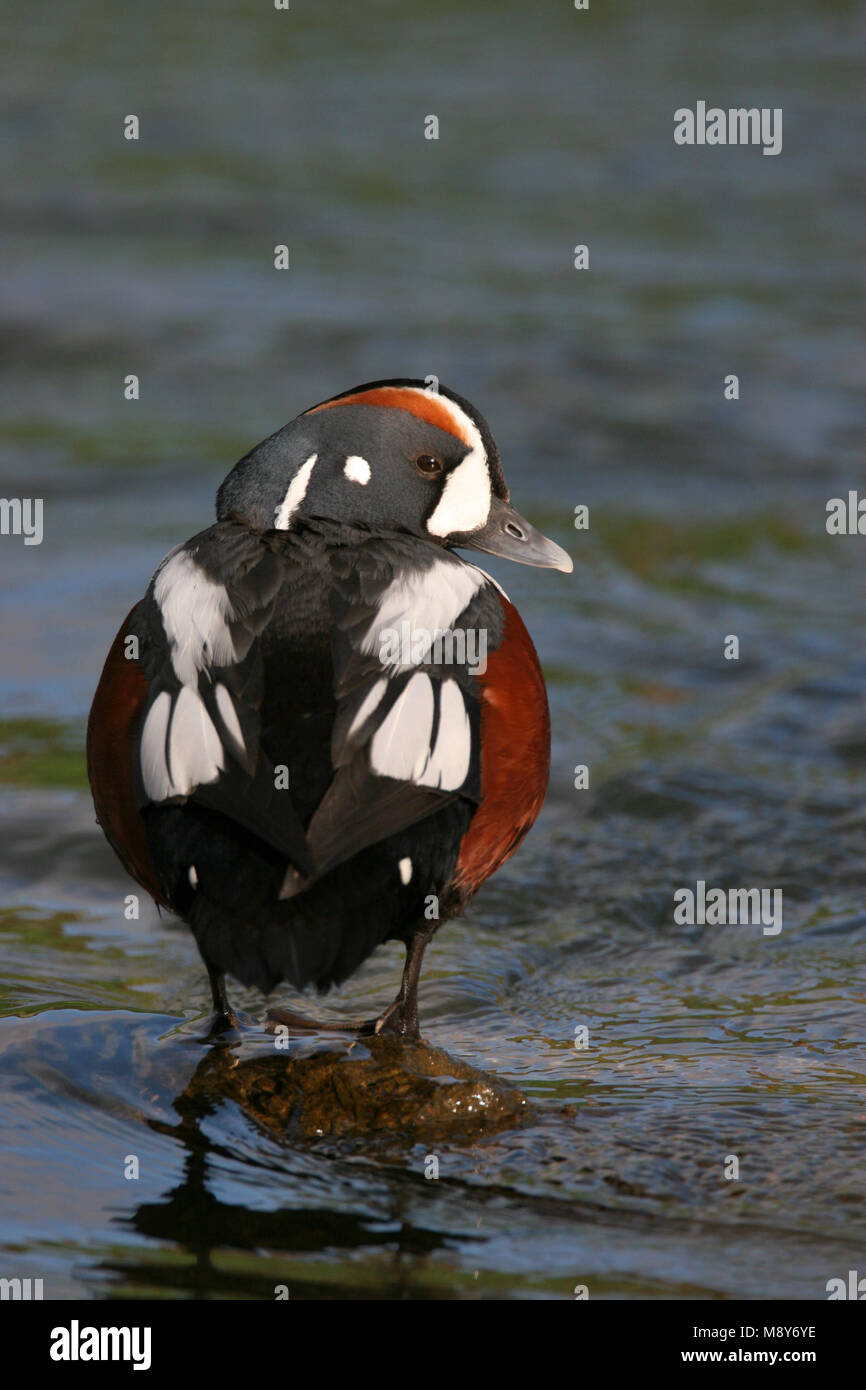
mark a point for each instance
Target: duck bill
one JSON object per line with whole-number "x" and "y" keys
{"x": 510, "y": 536}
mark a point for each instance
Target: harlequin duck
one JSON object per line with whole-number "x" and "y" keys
{"x": 321, "y": 729}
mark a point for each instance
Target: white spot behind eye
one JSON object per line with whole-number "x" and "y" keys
{"x": 357, "y": 470}
{"x": 405, "y": 867}
{"x": 193, "y": 876}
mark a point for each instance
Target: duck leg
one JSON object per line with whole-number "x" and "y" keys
{"x": 400, "y": 1019}
{"x": 223, "y": 1019}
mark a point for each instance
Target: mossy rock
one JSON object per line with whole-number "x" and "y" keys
{"x": 382, "y": 1088}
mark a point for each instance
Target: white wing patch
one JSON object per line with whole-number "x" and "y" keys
{"x": 427, "y": 600}
{"x": 368, "y": 704}
{"x": 448, "y": 764}
{"x": 400, "y": 746}
{"x": 180, "y": 745}
{"x": 420, "y": 604}
{"x": 195, "y": 754}
{"x": 401, "y": 749}
{"x": 196, "y": 614}
{"x": 180, "y": 748}
{"x": 297, "y": 491}
{"x": 154, "y": 763}
{"x": 225, "y": 705}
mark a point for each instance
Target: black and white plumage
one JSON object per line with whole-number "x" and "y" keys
{"x": 295, "y": 758}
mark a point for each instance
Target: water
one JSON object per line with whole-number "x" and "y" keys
{"x": 707, "y": 519}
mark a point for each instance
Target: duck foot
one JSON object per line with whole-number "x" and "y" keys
{"x": 394, "y": 1022}
{"x": 397, "y": 1021}
{"x": 224, "y": 1025}
{"x": 400, "y": 1019}
{"x": 302, "y": 1024}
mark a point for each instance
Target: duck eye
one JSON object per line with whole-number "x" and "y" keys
{"x": 428, "y": 465}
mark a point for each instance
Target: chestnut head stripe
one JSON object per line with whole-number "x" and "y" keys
{"x": 426, "y": 405}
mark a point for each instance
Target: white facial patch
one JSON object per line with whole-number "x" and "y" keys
{"x": 467, "y": 494}
{"x": 405, "y": 868}
{"x": 427, "y": 600}
{"x": 295, "y": 495}
{"x": 357, "y": 470}
{"x": 196, "y": 614}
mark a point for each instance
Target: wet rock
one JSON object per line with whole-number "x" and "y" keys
{"x": 383, "y": 1088}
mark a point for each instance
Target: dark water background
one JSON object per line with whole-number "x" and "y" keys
{"x": 707, "y": 518}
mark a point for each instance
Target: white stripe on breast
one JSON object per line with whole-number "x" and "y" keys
{"x": 489, "y": 578}
{"x": 196, "y": 614}
{"x": 427, "y": 600}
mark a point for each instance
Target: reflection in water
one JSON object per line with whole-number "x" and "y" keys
{"x": 192, "y": 1217}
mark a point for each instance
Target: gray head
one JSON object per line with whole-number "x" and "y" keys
{"x": 393, "y": 456}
